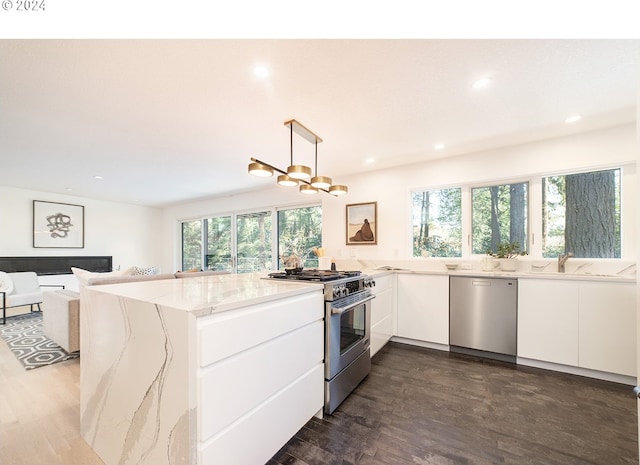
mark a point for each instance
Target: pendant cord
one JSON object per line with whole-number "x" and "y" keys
{"x": 291, "y": 142}
{"x": 316, "y": 157}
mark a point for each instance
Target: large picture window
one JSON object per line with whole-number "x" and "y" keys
{"x": 192, "y": 245}
{"x": 581, "y": 214}
{"x": 437, "y": 223}
{"x": 299, "y": 230}
{"x": 245, "y": 243}
{"x": 499, "y": 214}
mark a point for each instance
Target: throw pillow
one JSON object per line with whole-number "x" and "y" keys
{"x": 84, "y": 275}
{"x": 145, "y": 270}
{"x": 6, "y": 284}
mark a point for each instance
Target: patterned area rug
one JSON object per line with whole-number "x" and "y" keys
{"x": 25, "y": 337}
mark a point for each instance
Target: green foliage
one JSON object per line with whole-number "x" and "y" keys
{"x": 437, "y": 223}
{"x": 508, "y": 250}
{"x": 192, "y": 245}
{"x": 496, "y": 217}
{"x": 299, "y": 230}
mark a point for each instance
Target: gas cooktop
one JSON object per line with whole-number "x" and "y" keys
{"x": 315, "y": 275}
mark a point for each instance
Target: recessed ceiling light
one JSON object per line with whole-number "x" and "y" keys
{"x": 370, "y": 160}
{"x": 438, "y": 146}
{"x": 480, "y": 83}
{"x": 573, "y": 119}
{"x": 68, "y": 189}
{"x": 261, "y": 72}
{"x": 97, "y": 177}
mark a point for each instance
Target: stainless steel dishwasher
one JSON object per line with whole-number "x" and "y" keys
{"x": 483, "y": 316}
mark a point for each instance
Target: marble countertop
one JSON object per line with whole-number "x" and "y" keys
{"x": 210, "y": 294}
{"x": 438, "y": 268}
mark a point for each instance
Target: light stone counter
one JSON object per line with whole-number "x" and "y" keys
{"x": 185, "y": 371}
{"x": 624, "y": 272}
{"x": 209, "y": 294}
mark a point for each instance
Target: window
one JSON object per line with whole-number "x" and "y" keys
{"x": 299, "y": 230}
{"x": 581, "y": 214}
{"x": 253, "y": 239}
{"x": 499, "y": 214}
{"x": 245, "y": 243}
{"x": 218, "y": 243}
{"x": 192, "y": 245}
{"x": 437, "y": 223}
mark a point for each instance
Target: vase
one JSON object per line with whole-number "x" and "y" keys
{"x": 508, "y": 264}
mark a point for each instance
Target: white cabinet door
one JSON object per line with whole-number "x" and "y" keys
{"x": 548, "y": 320}
{"x": 382, "y": 313}
{"x": 608, "y": 327}
{"x": 423, "y": 307}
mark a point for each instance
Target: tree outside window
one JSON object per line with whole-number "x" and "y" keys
{"x": 299, "y": 230}
{"x": 437, "y": 223}
{"x": 499, "y": 214}
{"x": 581, "y": 214}
{"x": 192, "y": 245}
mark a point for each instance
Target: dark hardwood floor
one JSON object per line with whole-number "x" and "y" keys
{"x": 423, "y": 406}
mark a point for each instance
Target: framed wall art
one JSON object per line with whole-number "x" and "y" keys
{"x": 362, "y": 223}
{"x": 59, "y": 225}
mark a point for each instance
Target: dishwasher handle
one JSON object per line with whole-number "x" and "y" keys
{"x": 481, "y": 282}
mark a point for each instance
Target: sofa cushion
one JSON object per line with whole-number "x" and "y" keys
{"x": 84, "y": 275}
{"x": 145, "y": 270}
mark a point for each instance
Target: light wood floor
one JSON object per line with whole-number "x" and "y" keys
{"x": 40, "y": 413}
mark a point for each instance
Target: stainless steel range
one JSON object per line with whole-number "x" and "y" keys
{"x": 347, "y": 361}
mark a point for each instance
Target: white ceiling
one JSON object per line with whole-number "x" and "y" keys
{"x": 165, "y": 121}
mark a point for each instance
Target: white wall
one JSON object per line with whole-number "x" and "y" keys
{"x": 126, "y": 232}
{"x": 391, "y": 189}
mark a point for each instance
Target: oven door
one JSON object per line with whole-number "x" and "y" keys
{"x": 348, "y": 331}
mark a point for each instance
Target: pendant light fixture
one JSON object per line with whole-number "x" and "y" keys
{"x": 320, "y": 182}
{"x": 298, "y": 174}
{"x": 296, "y": 171}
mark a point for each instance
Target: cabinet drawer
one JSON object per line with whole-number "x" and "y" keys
{"x": 227, "y": 333}
{"x": 257, "y": 436}
{"x": 232, "y": 387}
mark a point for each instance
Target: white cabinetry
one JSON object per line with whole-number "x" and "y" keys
{"x": 382, "y": 312}
{"x": 548, "y": 320}
{"x": 608, "y": 327}
{"x": 199, "y": 371}
{"x": 584, "y": 324}
{"x": 423, "y": 307}
{"x": 257, "y": 364}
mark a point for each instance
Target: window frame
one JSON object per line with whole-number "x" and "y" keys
{"x": 234, "y": 246}
{"x": 500, "y": 182}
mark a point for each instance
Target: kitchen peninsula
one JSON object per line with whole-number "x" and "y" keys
{"x": 218, "y": 369}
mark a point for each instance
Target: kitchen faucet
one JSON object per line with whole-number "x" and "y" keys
{"x": 562, "y": 259}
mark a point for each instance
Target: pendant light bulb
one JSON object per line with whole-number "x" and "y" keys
{"x": 260, "y": 170}
{"x": 287, "y": 181}
{"x": 307, "y": 189}
{"x": 338, "y": 189}
{"x": 299, "y": 172}
{"x": 321, "y": 182}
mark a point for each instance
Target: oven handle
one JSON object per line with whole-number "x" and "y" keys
{"x": 338, "y": 310}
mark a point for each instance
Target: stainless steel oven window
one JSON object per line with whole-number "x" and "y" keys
{"x": 352, "y": 328}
